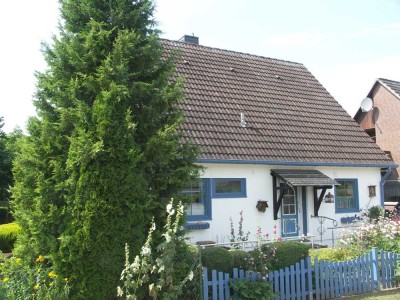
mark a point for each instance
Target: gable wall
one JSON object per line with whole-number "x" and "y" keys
{"x": 259, "y": 187}
{"x": 388, "y": 123}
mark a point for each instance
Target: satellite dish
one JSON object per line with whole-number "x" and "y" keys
{"x": 366, "y": 105}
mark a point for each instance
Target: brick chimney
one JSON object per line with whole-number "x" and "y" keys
{"x": 189, "y": 39}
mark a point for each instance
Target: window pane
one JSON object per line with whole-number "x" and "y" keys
{"x": 345, "y": 195}
{"x": 228, "y": 186}
{"x": 195, "y": 195}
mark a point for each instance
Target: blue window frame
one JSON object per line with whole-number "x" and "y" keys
{"x": 346, "y": 196}
{"x": 229, "y": 188}
{"x": 198, "y": 196}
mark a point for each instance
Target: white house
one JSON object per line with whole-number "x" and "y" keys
{"x": 270, "y": 134}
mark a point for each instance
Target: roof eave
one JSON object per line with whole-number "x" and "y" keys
{"x": 293, "y": 163}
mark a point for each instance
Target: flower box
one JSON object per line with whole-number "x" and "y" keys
{"x": 197, "y": 226}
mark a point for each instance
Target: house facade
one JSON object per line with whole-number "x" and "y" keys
{"x": 381, "y": 121}
{"x": 275, "y": 147}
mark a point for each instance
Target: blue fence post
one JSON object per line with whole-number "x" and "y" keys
{"x": 375, "y": 271}
{"x": 214, "y": 284}
{"x": 205, "y": 284}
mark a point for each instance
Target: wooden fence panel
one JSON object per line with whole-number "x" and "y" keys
{"x": 324, "y": 280}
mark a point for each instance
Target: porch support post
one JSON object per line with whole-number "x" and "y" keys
{"x": 277, "y": 202}
{"x": 318, "y": 200}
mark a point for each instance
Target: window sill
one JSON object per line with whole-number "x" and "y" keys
{"x": 197, "y": 226}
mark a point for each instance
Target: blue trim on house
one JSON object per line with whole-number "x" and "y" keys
{"x": 207, "y": 203}
{"x": 304, "y": 205}
{"x": 356, "y": 198}
{"x": 290, "y": 163}
{"x": 242, "y": 194}
{"x": 382, "y": 185}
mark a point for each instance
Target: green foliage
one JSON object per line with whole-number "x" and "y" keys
{"x": 240, "y": 259}
{"x": 257, "y": 290}
{"x": 217, "y": 258}
{"x": 375, "y": 212}
{"x": 31, "y": 279}
{"x": 332, "y": 254}
{"x": 5, "y": 165}
{"x": 8, "y": 235}
{"x": 261, "y": 260}
{"x": 104, "y": 154}
{"x": 286, "y": 253}
{"x": 155, "y": 269}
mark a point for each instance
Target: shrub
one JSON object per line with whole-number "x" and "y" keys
{"x": 332, "y": 254}
{"x": 32, "y": 278}
{"x": 257, "y": 290}
{"x": 375, "y": 212}
{"x": 240, "y": 259}
{"x": 287, "y": 253}
{"x": 8, "y": 236}
{"x": 217, "y": 258}
{"x": 187, "y": 258}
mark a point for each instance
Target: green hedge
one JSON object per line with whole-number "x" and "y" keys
{"x": 241, "y": 259}
{"x": 8, "y": 235}
{"x": 285, "y": 253}
{"x": 217, "y": 258}
{"x": 332, "y": 254}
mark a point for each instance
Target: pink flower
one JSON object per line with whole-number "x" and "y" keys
{"x": 279, "y": 239}
{"x": 274, "y": 232}
{"x": 266, "y": 235}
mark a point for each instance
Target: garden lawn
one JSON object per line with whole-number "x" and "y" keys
{"x": 392, "y": 294}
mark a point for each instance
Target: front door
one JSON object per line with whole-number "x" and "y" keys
{"x": 289, "y": 215}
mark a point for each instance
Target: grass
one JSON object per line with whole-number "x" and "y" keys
{"x": 392, "y": 294}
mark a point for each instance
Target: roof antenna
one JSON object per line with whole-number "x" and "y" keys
{"x": 243, "y": 122}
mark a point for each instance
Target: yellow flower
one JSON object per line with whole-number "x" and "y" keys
{"x": 36, "y": 286}
{"x": 66, "y": 279}
{"x": 18, "y": 261}
{"x": 40, "y": 259}
{"x": 5, "y": 279}
{"x": 52, "y": 274}
{"x": 50, "y": 284}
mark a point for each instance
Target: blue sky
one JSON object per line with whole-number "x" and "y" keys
{"x": 345, "y": 44}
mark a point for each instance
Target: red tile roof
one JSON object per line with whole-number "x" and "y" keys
{"x": 290, "y": 116}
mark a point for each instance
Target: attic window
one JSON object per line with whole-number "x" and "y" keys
{"x": 232, "y": 69}
{"x": 185, "y": 62}
{"x": 278, "y": 77}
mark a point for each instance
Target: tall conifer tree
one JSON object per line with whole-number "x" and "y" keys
{"x": 103, "y": 156}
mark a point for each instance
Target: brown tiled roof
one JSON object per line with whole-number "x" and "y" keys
{"x": 290, "y": 116}
{"x": 394, "y": 86}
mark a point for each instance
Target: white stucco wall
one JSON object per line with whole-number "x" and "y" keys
{"x": 259, "y": 187}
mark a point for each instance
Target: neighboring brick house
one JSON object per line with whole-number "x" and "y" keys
{"x": 270, "y": 134}
{"x": 382, "y": 123}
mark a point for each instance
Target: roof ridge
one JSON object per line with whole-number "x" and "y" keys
{"x": 232, "y": 51}
{"x": 389, "y": 80}
{"x": 391, "y": 89}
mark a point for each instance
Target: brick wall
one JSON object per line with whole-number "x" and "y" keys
{"x": 387, "y": 125}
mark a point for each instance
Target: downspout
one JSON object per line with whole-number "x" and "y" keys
{"x": 382, "y": 183}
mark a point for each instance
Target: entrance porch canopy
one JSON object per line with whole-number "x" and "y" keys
{"x": 296, "y": 178}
